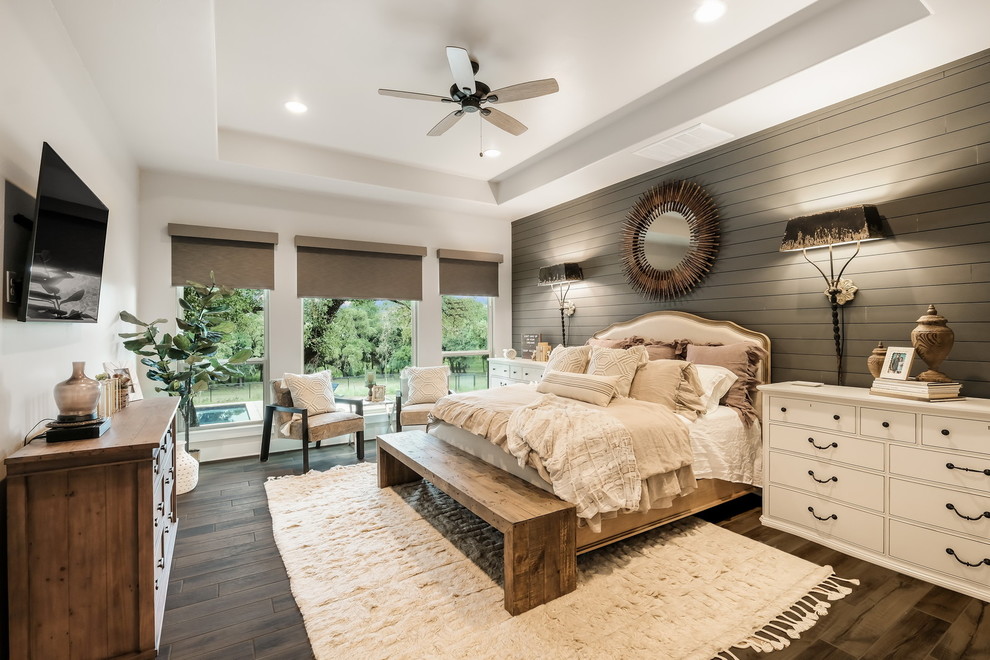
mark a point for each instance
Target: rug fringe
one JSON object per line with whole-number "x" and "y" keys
{"x": 777, "y": 633}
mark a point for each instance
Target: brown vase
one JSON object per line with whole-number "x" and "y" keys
{"x": 932, "y": 339}
{"x": 77, "y": 397}
{"x": 875, "y": 362}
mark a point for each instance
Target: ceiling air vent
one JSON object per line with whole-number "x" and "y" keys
{"x": 688, "y": 142}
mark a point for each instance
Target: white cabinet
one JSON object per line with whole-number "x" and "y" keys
{"x": 904, "y": 484}
{"x": 503, "y": 371}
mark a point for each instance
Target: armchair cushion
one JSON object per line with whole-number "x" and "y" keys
{"x": 314, "y": 392}
{"x": 323, "y": 426}
{"x": 426, "y": 384}
{"x": 416, "y": 414}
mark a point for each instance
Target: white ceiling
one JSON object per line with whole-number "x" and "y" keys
{"x": 199, "y": 87}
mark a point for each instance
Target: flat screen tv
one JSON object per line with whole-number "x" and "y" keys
{"x": 64, "y": 266}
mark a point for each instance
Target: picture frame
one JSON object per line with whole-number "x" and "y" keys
{"x": 530, "y": 340}
{"x": 134, "y": 390}
{"x": 897, "y": 363}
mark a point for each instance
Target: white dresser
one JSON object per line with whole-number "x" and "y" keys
{"x": 503, "y": 371}
{"x": 904, "y": 484}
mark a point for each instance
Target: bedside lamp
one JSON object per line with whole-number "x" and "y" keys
{"x": 559, "y": 278}
{"x": 854, "y": 224}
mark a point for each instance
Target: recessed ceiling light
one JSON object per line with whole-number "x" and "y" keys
{"x": 710, "y": 10}
{"x": 295, "y": 107}
{"x": 491, "y": 153}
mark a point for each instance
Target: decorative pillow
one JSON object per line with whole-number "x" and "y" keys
{"x": 715, "y": 382}
{"x": 741, "y": 359}
{"x": 662, "y": 350}
{"x": 426, "y": 384}
{"x": 572, "y": 359}
{"x": 619, "y": 342}
{"x": 598, "y": 390}
{"x": 617, "y": 362}
{"x": 314, "y": 392}
{"x": 672, "y": 383}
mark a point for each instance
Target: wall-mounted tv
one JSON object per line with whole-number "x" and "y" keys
{"x": 64, "y": 266}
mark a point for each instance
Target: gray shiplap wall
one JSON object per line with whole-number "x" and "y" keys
{"x": 918, "y": 149}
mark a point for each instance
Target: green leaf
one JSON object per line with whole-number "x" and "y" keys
{"x": 182, "y": 342}
{"x": 127, "y": 317}
{"x": 200, "y": 386}
{"x": 127, "y": 335}
{"x": 185, "y": 304}
{"x": 241, "y": 356}
{"x": 135, "y": 345}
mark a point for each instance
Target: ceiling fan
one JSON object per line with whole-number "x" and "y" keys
{"x": 471, "y": 94}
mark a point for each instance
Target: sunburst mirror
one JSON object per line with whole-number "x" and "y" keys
{"x": 670, "y": 239}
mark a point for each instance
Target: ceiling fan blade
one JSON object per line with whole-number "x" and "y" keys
{"x": 526, "y": 90}
{"x": 461, "y": 69}
{"x": 446, "y": 123}
{"x": 503, "y": 121}
{"x": 416, "y": 96}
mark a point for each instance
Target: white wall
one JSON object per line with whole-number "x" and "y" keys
{"x": 47, "y": 96}
{"x": 194, "y": 200}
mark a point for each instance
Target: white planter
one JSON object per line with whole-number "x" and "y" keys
{"x": 186, "y": 469}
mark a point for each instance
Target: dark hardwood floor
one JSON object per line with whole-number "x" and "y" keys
{"x": 229, "y": 595}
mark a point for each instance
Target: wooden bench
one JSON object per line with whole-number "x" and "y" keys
{"x": 539, "y": 528}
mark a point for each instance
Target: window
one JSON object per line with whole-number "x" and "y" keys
{"x": 240, "y": 399}
{"x": 465, "y": 329}
{"x": 359, "y": 341}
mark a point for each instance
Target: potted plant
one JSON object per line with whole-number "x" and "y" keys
{"x": 185, "y": 362}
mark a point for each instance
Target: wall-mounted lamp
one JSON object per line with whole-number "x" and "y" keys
{"x": 559, "y": 278}
{"x": 829, "y": 229}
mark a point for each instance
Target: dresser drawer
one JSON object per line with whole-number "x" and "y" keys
{"x": 933, "y": 466}
{"x": 824, "y": 415}
{"x": 834, "y": 447}
{"x": 498, "y": 369}
{"x": 841, "y": 522}
{"x": 828, "y": 480}
{"x": 887, "y": 424}
{"x": 530, "y": 374}
{"x": 950, "y": 433}
{"x": 499, "y": 382}
{"x": 929, "y": 549}
{"x": 931, "y": 505}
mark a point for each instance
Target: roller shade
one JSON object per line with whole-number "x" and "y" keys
{"x": 468, "y": 273}
{"x": 334, "y": 268}
{"x": 239, "y": 258}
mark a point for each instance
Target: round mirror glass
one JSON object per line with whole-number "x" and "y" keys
{"x": 667, "y": 240}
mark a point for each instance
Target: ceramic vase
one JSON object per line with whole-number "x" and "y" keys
{"x": 932, "y": 339}
{"x": 186, "y": 469}
{"x": 78, "y": 396}
{"x": 875, "y": 362}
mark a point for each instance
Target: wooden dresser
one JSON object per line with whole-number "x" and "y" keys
{"x": 91, "y": 528}
{"x": 503, "y": 371}
{"x": 903, "y": 484}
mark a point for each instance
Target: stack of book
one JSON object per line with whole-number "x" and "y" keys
{"x": 918, "y": 390}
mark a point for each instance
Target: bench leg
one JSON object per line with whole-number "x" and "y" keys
{"x": 540, "y": 561}
{"x": 392, "y": 471}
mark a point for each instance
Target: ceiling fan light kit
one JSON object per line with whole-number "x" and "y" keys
{"x": 471, "y": 94}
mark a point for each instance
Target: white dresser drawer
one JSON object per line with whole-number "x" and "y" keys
{"x": 500, "y": 370}
{"x": 834, "y": 447}
{"x": 929, "y": 549}
{"x": 887, "y": 424}
{"x": 934, "y": 466}
{"x": 828, "y": 480}
{"x": 500, "y": 382}
{"x": 965, "y": 434}
{"x": 931, "y": 505}
{"x": 824, "y": 415}
{"x": 515, "y": 371}
{"x": 530, "y": 374}
{"x": 828, "y": 519}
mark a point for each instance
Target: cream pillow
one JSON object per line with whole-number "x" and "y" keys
{"x": 572, "y": 359}
{"x": 715, "y": 382}
{"x": 427, "y": 384}
{"x": 617, "y": 362}
{"x": 598, "y": 390}
{"x": 314, "y": 392}
{"x": 671, "y": 383}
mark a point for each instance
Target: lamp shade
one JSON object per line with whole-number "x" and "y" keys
{"x": 848, "y": 225}
{"x": 560, "y": 274}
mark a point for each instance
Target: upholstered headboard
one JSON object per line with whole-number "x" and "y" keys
{"x": 669, "y": 325}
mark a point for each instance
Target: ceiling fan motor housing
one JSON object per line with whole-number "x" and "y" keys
{"x": 470, "y": 102}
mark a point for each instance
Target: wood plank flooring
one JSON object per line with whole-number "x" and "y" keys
{"x": 229, "y": 595}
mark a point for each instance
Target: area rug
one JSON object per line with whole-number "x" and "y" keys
{"x": 409, "y": 573}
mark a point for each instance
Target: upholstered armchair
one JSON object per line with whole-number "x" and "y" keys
{"x": 298, "y": 424}
{"x": 419, "y": 389}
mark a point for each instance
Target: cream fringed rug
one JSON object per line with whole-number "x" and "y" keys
{"x": 409, "y": 573}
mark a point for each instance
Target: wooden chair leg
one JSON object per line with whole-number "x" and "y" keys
{"x": 266, "y": 434}
{"x": 305, "y": 441}
{"x": 360, "y": 445}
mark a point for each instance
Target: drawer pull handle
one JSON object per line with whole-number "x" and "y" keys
{"x": 886, "y": 425}
{"x": 952, "y": 552}
{"x": 835, "y": 417}
{"x": 953, "y": 509}
{"x": 834, "y": 445}
{"x": 831, "y": 517}
{"x": 966, "y": 469}
{"x": 783, "y": 410}
{"x": 822, "y": 481}
{"x": 945, "y": 431}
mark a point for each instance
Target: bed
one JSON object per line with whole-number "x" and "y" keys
{"x": 721, "y": 476}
